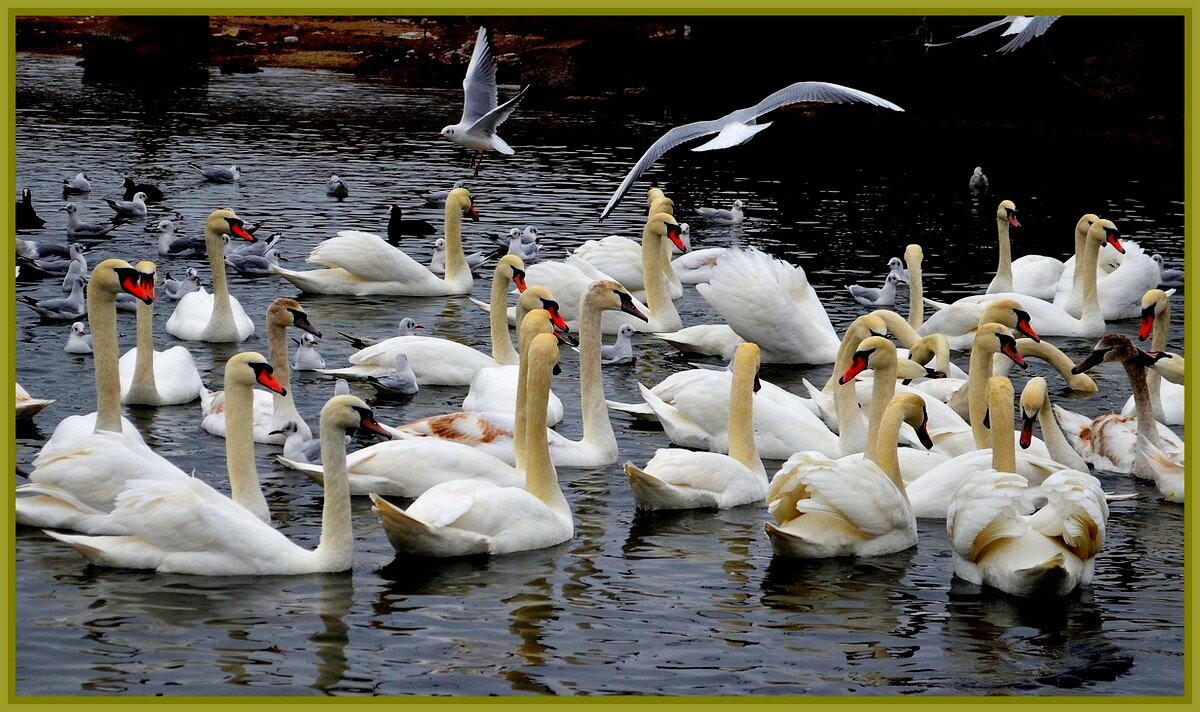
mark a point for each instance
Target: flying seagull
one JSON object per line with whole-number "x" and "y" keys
{"x": 1024, "y": 27}
{"x": 481, "y": 116}
{"x": 740, "y": 126}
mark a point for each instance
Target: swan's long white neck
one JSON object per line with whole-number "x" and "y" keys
{"x": 1004, "y": 448}
{"x": 244, "y": 486}
{"x": 277, "y": 351}
{"x": 1162, "y": 324}
{"x": 597, "y": 428}
{"x": 855, "y": 333}
{"x": 457, "y": 269}
{"x": 221, "y": 320}
{"x": 335, "y": 552}
{"x": 502, "y": 347}
{"x": 883, "y": 452}
{"x": 1052, "y": 433}
{"x": 102, "y": 316}
{"x": 541, "y": 479}
{"x": 1091, "y": 318}
{"x": 658, "y": 300}
{"x": 1077, "y": 278}
{"x": 1004, "y": 279}
{"x": 852, "y": 433}
{"x": 882, "y": 390}
{"x": 143, "y": 389}
{"x": 742, "y": 446}
{"x": 916, "y": 306}
{"x": 1147, "y": 426}
{"x": 977, "y": 379}
{"x": 898, "y": 327}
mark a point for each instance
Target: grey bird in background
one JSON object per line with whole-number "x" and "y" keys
{"x": 402, "y": 382}
{"x": 79, "y": 185}
{"x": 979, "y": 182}
{"x": 79, "y": 341}
{"x": 218, "y": 174}
{"x": 78, "y": 228}
{"x": 337, "y": 188}
{"x": 884, "y": 296}
{"x": 407, "y": 327}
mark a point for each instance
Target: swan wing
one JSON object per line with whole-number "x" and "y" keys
{"x": 1081, "y": 512}
{"x": 1036, "y": 27}
{"x": 857, "y": 492}
{"x": 987, "y": 507}
{"x": 369, "y": 257}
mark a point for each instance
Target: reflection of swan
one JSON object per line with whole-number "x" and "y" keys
{"x": 217, "y": 317}
{"x": 186, "y": 527}
{"x": 150, "y": 377}
{"x": 684, "y": 479}
{"x": 89, "y": 458}
{"x": 467, "y": 517}
{"x": 1166, "y": 398}
{"x": 848, "y": 507}
{"x": 364, "y": 264}
{"x": 271, "y": 412}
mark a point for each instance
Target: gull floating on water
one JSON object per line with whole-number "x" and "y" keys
{"x": 337, "y": 188}
{"x": 77, "y": 185}
{"x": 979, "y": 182}
{"x": 407, "y": 326}
{"x": 733, "y": 216}
{"x": 481, "y": 116}
{"x": 176, "y": 288}
{"x": 738, "y": 127}
{"x": 438, "y": 197}
{"x": 80, "y": 339}
{"x": 219, "y": 174}
{"x": 78, "y": 228}
{"x": 135, "y": 208}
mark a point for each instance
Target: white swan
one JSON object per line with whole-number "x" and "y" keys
{"x": 1068, "y": 293}
{"x": 763, "y": 300}
{"x": 495, "y": 433}
{"x": 999, "y": 541}
{"x": 89, "y": 458}
{"x": 150, "y": 377}
{"x": 468, "y": 517}
{"x": 1032, "y": 275}
{"x": 441, "y": 362}
{"x": 1121, "y": 443}
{"x": 957, "y": 318}
{"x": 621, "y": 258}
{"x": 271, "y": 411}
{"x": 1122, "y": 289}
{"x": 848, "y": 507}
{"x": 185, "y": 527}
{"x": 570, "y": 281}
{"x": 1167, "y": 397}
{"x": 216, "y": 317}
{"x": 364, "y": 264}
{"x": 684, "y": 479}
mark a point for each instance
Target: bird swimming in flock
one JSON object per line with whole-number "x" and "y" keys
{"x": 738, "y": 127}
{"x": 438, "y": 197}
{"x": 978, "y": 182}
{"x": 219, "y": 174}
{"x": 135, "y": 208}
{"x": 398, "y": 226}
{"x": 884, "y": 296}
{"x": 68, "y": 308}
{"x": 27, "y": 217}
{"x": 131, "y": 188}
{"x": 307, "y": 357}
{"x": 78, "y": 228}
{"x": 407, "y": 327}
{"x": 298, "y": 448}
{"x": 58, "y": 265}
{"x": 437, "y": 262}
{"x": 481, "y": 116}
{"x": 79, "y": 341}
{"x": 1170, "y": 277}
{"x": 733, "y": 216}
{"x": 896, "y": 266}
{"x": 337, "y": 188}
{"x": 171, "y": 244}
{"x": 251, "y": 265}
{"x": 621, "y": 351}
{"x": 401, "y": 382}
{"x": 1024, "y": 27}
{"x": 36, "y": 250}
{"x": 174, "y": 289}
{"x": 79, "y": 185}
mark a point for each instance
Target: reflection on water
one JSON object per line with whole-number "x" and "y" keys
{"x": 687, "y": 603}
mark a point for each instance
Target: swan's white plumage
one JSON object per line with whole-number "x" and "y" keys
{"x": 175, "y": 375}
{"x": 194, "y": 311}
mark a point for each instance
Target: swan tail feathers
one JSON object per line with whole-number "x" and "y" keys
{"x": 410, "y": 535}
{"x": 935, "y": 305}
{"x": 637, "y": 410}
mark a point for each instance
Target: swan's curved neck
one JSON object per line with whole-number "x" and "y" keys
{"x": 457, "y": 269}
{"x": 143, "y": 389}
{"x": 1077, "y": 278}
{"x": 221, "y": 319}
{"x": 541, "y": 479}
{"x": 597, "y": 428}
{"x": 916, "y": 307}
{"x": 277, "y": 351}
{"x": 519, "y": 413}
{"x": 244, "y": 486}
{"x": 502, "y": 347}
{"x": 884, "y": 452}
{"x": 977, "y": 378}
{"x": 1004, "y": 447}
{"x": 1091, "y": 300}
{"x": 882, "y": 390}
{"x": 1052, "y": 434}
{"x": 1147, "y": 426}
{"x": 852, "y": 434}
{"x": 850, "y": 341}
{"x": 898, "y": 327}
{"x": 658, "y": 300}
{"x": 1004, "y": 280}
{"x": 102, "y": 316}
{"x": 1051, "y": 354}
{"x": 742, "y": 446}
{"x": 1162, "y": 324}
{"x": 335, "y": 552}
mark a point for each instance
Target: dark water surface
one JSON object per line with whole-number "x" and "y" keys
{"x": 689, "y": 603}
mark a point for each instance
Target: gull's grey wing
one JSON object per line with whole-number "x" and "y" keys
{"x": 989, "y": 26}
{"x": 489, "y": 122}
{"x": 1036, "y": 28}
{"x": 479, "y": 86}
{"x": 803, "y": 92}
{"x": 666, "y": 142}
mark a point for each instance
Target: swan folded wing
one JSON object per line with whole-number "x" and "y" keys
{"x": 987, "y": 507}
{"x": 72, "y": 466}
{"x": 471, "y": 428}
{"x": 860, "y": 494}
{"x": 788, "y": 487}
{"x": 368, "y": 257}
{"x": 703, "y": 471}
{"x": 1077, "y": 499}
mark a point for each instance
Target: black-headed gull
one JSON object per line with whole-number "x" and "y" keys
{"x": 307, "y": 357}
{"x": 401, "y": 382}
{"x": 738, "y": 127}
{"x": 437, "y": 262}
{"x": 407, "y": 327}
{"x": 336, "y": 188}
{"x": 171, "y": 244}
{"x": 80, "y": 339}
{"x": 249, "y": 265}
{"x": 979, "y": 182}
{"x": 896, "y": 266}
{"x": 153, "y": 192}
{"x": 35, "y": 250}
{"x": 438, "y": 197}
{"x": 67, "y": 308}
{"x": 481, "y": 116}
{"x": 78, "y": 228}
{"x": 1024, "y": 27}
{"x": 733, "y": 216}
{"x": 884, "y": 296}
{"x": 622, "y": 350}
{"x": 77, "y": 185}
{"x": 135, "y": 208}
{"x": 298, "y": 448}
{"x": 219, "y": 174}
{"x": 27, "y": 217}
{"x": 1170, "y": 277}
{"x": 176, "y": 288}
{"x": 398, "y": 226}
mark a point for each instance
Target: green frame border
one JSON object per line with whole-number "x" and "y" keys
{"x": 15, "y": 8}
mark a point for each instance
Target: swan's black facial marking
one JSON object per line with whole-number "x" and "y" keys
{"x": 300, "y": 321}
